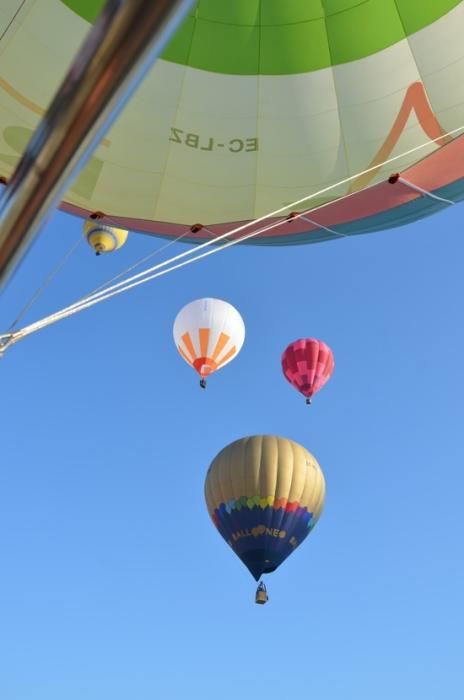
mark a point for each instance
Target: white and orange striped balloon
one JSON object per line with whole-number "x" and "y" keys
{"x": 208, "y": 333}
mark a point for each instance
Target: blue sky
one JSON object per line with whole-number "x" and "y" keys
{"x": 115, "y": 583}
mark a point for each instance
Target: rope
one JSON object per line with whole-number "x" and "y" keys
{"x": 87, "y": 303}
{"x": 325, "y": 228}
{"x": 242, "y": 227}
{"x": 155, "y": 271}
{"x": 285, "y": 208}
{"x": 426, "y": 193}
{"x": 147, "y": 275}
{"x": 136, "y": 264}
{"x": 40, "y": 290}
{"x": 103, "y": 287}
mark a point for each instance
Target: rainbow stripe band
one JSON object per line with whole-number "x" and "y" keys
{"x": 251, "y": 502}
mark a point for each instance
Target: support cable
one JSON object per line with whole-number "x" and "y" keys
{"x": 157, "y": 271}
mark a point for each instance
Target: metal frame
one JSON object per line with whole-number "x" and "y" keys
{"x": 120, "y": 48}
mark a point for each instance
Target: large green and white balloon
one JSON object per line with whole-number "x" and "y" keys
{"x": 256, "y": 104}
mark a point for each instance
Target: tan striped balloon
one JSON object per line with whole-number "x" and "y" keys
{"x": 273, "y": 468}
{"x": 264, "y": 494}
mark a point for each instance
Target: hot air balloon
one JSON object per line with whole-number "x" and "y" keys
{"x": 208, "y": 333}
{"x": 264, "y": 494}
{"x": 103, "y": 238}
{"x": 307, "y": 364}
{"x": 254, "y": 105}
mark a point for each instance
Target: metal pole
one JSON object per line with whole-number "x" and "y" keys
{"x": 120, "y": 48}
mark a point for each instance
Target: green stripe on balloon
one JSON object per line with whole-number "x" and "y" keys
{"x": 277, "y": 37}
{"x": 87, "y": 9}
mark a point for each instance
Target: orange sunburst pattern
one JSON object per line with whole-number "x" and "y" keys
{"x": 204, "y": 360}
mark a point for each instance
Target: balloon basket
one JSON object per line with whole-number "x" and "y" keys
{"x": 261, "y": 596}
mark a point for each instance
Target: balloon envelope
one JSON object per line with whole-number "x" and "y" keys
{"x": 307, "y": 364}
{"x": 264, "y": 494}
{"x": 254, "y": 105}
{"x": 103, "y": 238}
{"x": 208, "y": 334}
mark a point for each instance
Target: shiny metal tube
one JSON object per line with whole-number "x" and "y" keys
{"x": 114, "y": 58}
